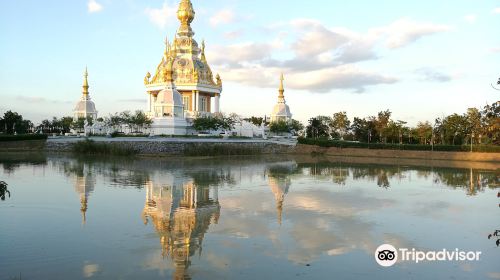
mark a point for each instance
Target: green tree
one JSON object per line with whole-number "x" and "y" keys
{"x": 381, "y": 123}
{"x": 340, "y": 124}
{"x": 491, "y": 122}
{"x": 14, "y": 122}
{"x": 78, "y": 125}
{"x": 280, "y": 126}
{"x": 318, "y": 127}
{"x": 474, "y": 124}
{"x": 424, "y": 131}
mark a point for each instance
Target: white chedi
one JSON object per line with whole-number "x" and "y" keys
{"x": 85, "y": 107}
{"x": 281, "y": 111}
{"x": 168, "y": 103}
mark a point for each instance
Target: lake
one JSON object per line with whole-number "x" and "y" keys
{"x": 276, "y": 217}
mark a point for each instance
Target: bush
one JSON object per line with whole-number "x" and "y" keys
{"x": 90, "y": 147}
{"x": 408, "y": 147}
{"x": 22, "y": 137}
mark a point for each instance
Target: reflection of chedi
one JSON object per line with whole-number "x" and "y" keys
{"x": 279, "y": 186}
{"x": 84, "y": 185}
{"x": 181, "y": 215}
{"x": 185, "y": 68}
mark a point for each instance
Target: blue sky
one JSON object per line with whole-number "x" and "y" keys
{"x": 420, "y": 59}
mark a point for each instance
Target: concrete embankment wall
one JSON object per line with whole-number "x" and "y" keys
{"x": 429, "y": 155}
{"x": 160, "y": 148}
{"x": 19, "y": 146}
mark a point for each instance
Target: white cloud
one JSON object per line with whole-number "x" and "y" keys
{"x": 431, "y": 75}
{"x": 318, "y": 58}
{"x": 405, "y": 31}
{"x": 496, "y": 10}
{"x": 222, "y": 17}
{"x": 93, "y": 6}
{"x": 167, "y": 14}
{"x": 471, "y": 18}
{"x": 495, "y": 50}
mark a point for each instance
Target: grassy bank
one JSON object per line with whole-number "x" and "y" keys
{"x": 90, "y": 147}
{"x": 196, "y": 149}
{"x": 21, "y": 137}
{"x": 407, "y": 147}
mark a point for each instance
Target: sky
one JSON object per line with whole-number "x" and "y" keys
{"x": 420, "y": 59}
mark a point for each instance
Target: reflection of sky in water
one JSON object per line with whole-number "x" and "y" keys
{"x": 244, "y": 218}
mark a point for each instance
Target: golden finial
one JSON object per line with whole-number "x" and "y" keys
{"x": 218, "y": 79}
{"x": 185, "y": 14}
{"x": 85, "y": 82}
{"x": 282, "y": 88}
{"x": 167, "y": 45}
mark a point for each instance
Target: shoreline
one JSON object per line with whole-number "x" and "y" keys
{"x": 187, "y": 147}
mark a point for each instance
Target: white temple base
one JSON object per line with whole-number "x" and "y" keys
{"x": 169, "y": 126}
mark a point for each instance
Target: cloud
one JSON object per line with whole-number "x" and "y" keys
{"x": 222, "y": 17}
{"x": 40, "y": 100}
{"x": 496, "y": 10}
{"x": 405, "y": 31}
{"x": 232, "y": 35}
{"x": 431, "y": 75}
{"x": 495, "y": 50}
{"x": 167, "y": 14}
{"x": 90, "y": 269}
{"x": 471, "y": 18}
{"x": 137, "y": 100}
{"x": 93, "y": 6}
{"x": 317, "y": 58}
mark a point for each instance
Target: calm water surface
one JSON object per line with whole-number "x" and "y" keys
{"x": 243, "y": 218}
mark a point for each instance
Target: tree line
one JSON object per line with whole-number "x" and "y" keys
{"x": 476, "y": 125}
{"x": 12, "y": 122}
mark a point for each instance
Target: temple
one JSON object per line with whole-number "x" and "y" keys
{"x": 281, "y": 111}
{"x": 85, "y": 108}
{"x": 183, "y": 70}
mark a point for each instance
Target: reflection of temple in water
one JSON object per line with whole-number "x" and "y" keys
{"x": 279, "y": 181}
{"x": 181, "y": 214}
{"x": 84, "y": 185}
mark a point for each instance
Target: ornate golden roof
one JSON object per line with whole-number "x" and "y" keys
{"x": 184, "y": 61}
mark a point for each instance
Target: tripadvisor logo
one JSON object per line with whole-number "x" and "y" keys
{"x": 387, "y": 255}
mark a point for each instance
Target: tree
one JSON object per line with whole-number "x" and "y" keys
{"x": 340, "y": 124}
{"x": 280, "y": 126}
{"x": 318, "y": 127}
{"x": 381, "y": 123}
{"x": 474, "y": 127}
{"x": 14, "y": 122}
{"x": 491, "y": 122}
{"x": 257, "y": 121}
{"x": 424, "y": 131}
{"x": 78, "y": 124}
{"x": 296, "y": 127}
{"x": 455, "y": 129}
{"x": 214, "y": 123}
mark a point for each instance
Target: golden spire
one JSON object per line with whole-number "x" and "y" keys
{"x": 185, "y": 14}
{"x": 83, "y": 208}
{"x": 281, "y": 96}
{"x": 203, "y": 58}
{"x": 85, "y": 83}
{"x": 167, "y": 47}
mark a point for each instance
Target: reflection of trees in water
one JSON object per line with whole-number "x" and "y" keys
{"x": 114, "y": 170}
{"x": 338, "y": 172}
{"x": 3, "y": 190}
{"x": 11, "y": 162}
{"x": 473, "y": 181}
{"x": 211, "y": 177}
